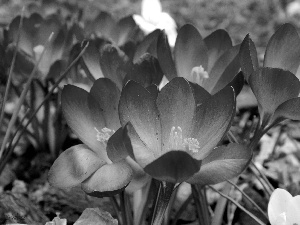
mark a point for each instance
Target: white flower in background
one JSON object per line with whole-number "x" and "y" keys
{"x": 152, "y": 17}
{"x": 283, "y": 208}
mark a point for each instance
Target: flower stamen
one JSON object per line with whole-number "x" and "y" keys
{"x": 104, "y": 134}
{"x": 178, "y": 142}
{"x": 199, "y": 75}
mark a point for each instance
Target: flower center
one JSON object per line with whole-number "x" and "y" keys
{"x": 178, "y": 142}
{"x": 199, "y": 75}
{"x": 104, "y": 134}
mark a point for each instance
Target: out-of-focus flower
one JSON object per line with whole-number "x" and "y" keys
{"x": 173, "y": 139}
{"x": 283, "y": 208}
{"x": 34, "y": 33}
{"x": 118, "y": 31}
{"x": 152, "y": 17}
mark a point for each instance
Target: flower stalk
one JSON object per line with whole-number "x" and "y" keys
{"x": 164, "y": 194}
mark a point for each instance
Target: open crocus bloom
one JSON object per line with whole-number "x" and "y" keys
{"x": 93, "y": 116}
{"x": 283, "y": 208}
{"x": 152, "y": 17}
{"x": 171, "y": 136}
{"x": 212, "y": 62}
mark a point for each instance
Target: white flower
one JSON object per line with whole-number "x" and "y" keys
{"x": 152, "y": 17}
{"x": 283, "y": 208}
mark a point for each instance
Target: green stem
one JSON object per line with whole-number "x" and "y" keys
{"x": 123, "y": 209}
{"x": 238, "y": 205}
{"x": 164, "y": 194}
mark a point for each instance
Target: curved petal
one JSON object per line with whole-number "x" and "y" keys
{"x": 213, "y": 119}
{"x": 248, "y": 56}
{"x": 219, "y": 68}
{"x": 112, "y": 62}
{"x": 190, "y": 51}
{"x": 73, "y": 166}
{"x": 200, "y": 94}
{"x": 108, "y": 178}
{"x": 288, "y": 110}
{"x": 107, "y": 95}
{"x": 228, "y": 75}
{"x": 283, "y": 49}
{"x": 164, "y": 56}
{"x": 124, "y": 29}
{"x": 224, "y": 162}
{"x": 149, "y": 42}
{"x": 272, "y": 87}
{"x": 104, "y": 24}
{"x": 174, "y": 167}
{"x": 138, "y": 150}
{"x": 278, "y": 204}
{"x": 138, "y": 106}
{"x": 116, "y": 147}
{"x": 91, "y": 61}
{"x": 78, "y": 116}
{"x": 293, "y": 209}
{"x": 217, "y": 43}
{"x": 146, "y": 71}
{"x": 177, "y": 107}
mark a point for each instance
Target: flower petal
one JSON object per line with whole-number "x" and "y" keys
{"x": 224, "y": 162}
{"x": 73, "y": 166}
{"x": 116, "y": 146}
{"x": 104, "y": 24}
{"x": 213, "y": 119}
{"x": 108, "y": 179}
{"x": 125, "y": 28}
{"x": 190, "y": 51}
{"x": 91, "y": 61}
{"x": 200, "y": 94}
{"x": 217, "y": 43}
{"x": 272, "y": 87}
{"x": 138, "y": 106}
{"x": 147, "y": 45}
{"x": 164, "y": 56}
{"x": 106, "y": 94}
{"x": 283, "y": 49}
{"x": 228, "y": 75}
{"x": 146, "y": 71}
{"x": 177, "y": 106}
{"x": 293, "y": 209}
{"x": 113, "y": 61}
{"x": 78, "y": 116}
{"x": 288, "y": 110}
{"x": 219, "y": 68}
{"x": 174, "y": 167}
{"x": 278, "y": 204}
{"x": 137, "y": 149}
{"x": 248, "y": 57}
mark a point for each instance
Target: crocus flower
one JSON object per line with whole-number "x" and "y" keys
{"x": 173, "y": 139}
{"x": 34, "y": 34}
{"x": 118, "y": 31}
{"x": 275, "y": 86}
{"x": 152, "y": 17}
{"x": 283, "y": 208}
{"x": 211, "y": 62}
{"x": 93, "y": 117}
